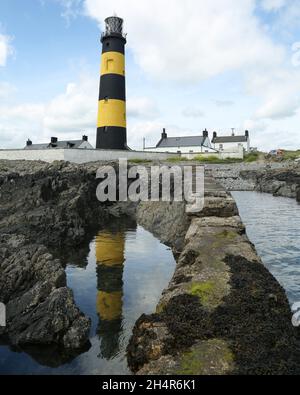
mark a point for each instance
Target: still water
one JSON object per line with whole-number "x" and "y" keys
{"x": 273, "y": 225}
{"x": 122, "y": 276}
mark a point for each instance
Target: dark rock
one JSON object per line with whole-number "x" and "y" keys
{"x": 40, "y": 309}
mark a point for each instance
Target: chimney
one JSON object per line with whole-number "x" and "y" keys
{"x": 205, "y": 133}
{"x": 164, "y": 134}
{"x": 28, "y": 143}
{"x": 247, "y": 133}
{"x": 53, "y": 140}
{"x": 85, "y": 138}
{"x": 215, "y": 135}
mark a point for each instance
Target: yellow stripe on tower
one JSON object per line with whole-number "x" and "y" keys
{"x": 112, "y": 112}
{"x": 110, "y": 249}
{"x": 109, "y": 305}
{"x": 113, "y": 63}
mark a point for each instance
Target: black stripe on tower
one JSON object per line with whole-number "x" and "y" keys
{"x": 113, "y": 43}
{"x": 111, "y": 136}
{"x": 112, "y": 87}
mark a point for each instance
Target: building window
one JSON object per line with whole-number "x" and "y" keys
{"x": 221, "y": 146}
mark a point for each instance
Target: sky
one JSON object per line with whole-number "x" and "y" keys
{"x": 190, "y": 65}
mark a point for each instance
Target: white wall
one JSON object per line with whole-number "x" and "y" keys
{"x": 46, "y": 155}
{"x": 183, "y": 150}
{"x": 80, "y": 155}
{"x": 232, "y": 146}
{"x": 83, "y": 156}
{"x": 236, "y": 153}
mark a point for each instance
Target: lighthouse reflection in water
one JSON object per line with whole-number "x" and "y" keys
{"x": 115, "y": 278}
{"x": 110, "y": 258}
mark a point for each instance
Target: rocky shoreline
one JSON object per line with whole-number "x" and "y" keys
{"x": 279, "y": 179}
{"x": 223, "y": 312}
{"x": 44, "y": 207}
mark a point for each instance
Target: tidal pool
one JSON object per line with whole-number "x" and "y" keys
{"x": 121, "y": 277}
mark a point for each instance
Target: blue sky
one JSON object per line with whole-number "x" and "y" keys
{"x": 212, "y": 64}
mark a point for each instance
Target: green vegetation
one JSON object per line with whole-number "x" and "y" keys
{"x": 160, "y": 308}
{"x": 177, "y": 159}
{"x": 202, "y": 290}
{"x": 137, "y": 161}
{"x": 227, "y": 234}
{"x": 215, "y": 159}
{"x": 291, "y": 155}
{"x": 251, "y": 157}
{"x": 207, "y": 357}
{"x": 203, "y": 159}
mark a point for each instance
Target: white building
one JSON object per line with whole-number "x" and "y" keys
{"x": 231, "y": 143}
{"x": 183, "y": 145}
{"x": 55, "y": 143}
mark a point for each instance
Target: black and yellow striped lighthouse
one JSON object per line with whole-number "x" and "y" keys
{"x": 111, "y": 125}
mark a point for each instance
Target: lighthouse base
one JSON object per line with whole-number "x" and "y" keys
{"x": 111, "y": 137}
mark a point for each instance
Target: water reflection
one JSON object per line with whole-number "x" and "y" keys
{"x": 110, "y": 258}
{"x": 115, "y": 278}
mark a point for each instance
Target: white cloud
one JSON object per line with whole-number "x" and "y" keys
{"x": 5, "y": 49}
{"x": 279, "y": 90}
{"x": 141, "y": 107}
{"x": 273, "y": 5}
{"x": 75, "y": 111}
{"x": 193, "y": 112}
{"x": 224, "y": 103}
{"x": 191, "y": 40}
{"x": 68, "y": 116}
{"x": 6, "y": 90}
{"x": 71, "y": 9}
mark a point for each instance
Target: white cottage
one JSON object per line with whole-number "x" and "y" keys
{"x": 231, "y": 143}
{"x": 183, "y": 145}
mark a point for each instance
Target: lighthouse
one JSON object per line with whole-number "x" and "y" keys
{"x": 111, "y": 124}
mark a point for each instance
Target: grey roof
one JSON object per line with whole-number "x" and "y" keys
{"x": 37, "y": 146}
{"x": 67, "y": 144}
{"x": 59, "y": 144}
{"x": 189, "y": 141}
{"x": 229, "y": 139}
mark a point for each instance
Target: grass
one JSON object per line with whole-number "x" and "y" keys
{"x": 177, "y": 159}
{"x": 252, "y": 157}
{"x": 137, "y": 161}
{"x": 202, "y": 159}
{"x": 215, "y": 159}
{"x": 291, "y": 155}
